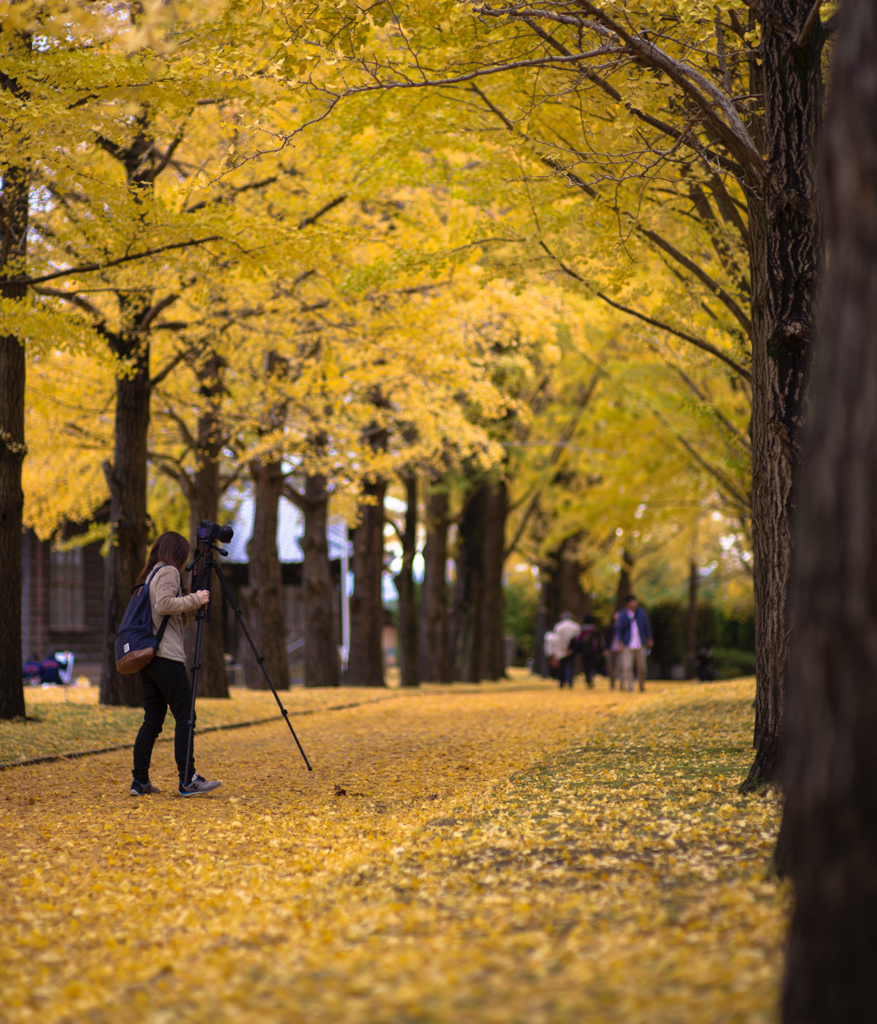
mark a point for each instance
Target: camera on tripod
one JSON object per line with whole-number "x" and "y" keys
{"x": 209, "y": 532}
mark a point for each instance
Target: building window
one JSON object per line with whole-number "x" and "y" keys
{"x": 67, "y": 609}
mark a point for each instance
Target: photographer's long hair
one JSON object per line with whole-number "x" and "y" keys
{"x": 171, "y": 549}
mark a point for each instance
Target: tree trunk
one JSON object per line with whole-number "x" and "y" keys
{"x": 786, "y": 254}
{"x": 14, "y": 193}
{"x": 540, "y": 662}
{"x": 205, "y": 492}
{"x": 561, "y": 592}
{"x": 492, "y": 661}
{"x": 12, "y": 378}
{"x": 404, "y": 579}
{"x": 321, "y": 653}
{"x": 129, "y": 529}
{"x": 266, "y": 581}
{"x": 434, "y": 662}
{"x": 466, "y": 624}
{"x": 691, "y": 623}
{"x": 365, "y": 665}
{"x": 624, "y": 579}
{"x": 127, "y": 477}
{"x": 830, "y": 820}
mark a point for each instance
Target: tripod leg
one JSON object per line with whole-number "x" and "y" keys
{"x": 261, "y": 661}
{"x": 196, "y": 666}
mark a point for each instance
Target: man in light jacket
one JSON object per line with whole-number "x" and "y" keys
{"x": 634, "y": 633}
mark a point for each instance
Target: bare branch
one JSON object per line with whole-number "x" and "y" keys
{"x": 536, "y": 62}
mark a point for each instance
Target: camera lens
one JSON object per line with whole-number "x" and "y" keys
{"x": 224, "y": 534}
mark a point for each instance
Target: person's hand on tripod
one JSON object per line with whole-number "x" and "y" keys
{"x": 203, "y": 596}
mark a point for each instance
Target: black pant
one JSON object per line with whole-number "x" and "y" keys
{"x": 589, "y": 665}
{"x": 165, "y": 685}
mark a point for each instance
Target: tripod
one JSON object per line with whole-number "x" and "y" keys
{"x": 208, "y": 566}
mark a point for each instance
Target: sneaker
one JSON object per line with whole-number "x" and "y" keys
{"x": 198, "y": 786}
{"x": 143, "y": 788}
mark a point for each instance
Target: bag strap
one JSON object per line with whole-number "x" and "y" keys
{"x": 160, "y": 632}
{"x": 145, "y": 583}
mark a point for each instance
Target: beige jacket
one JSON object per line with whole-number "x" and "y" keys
{"x": 566, "y": 631}
{"x": 164, "y": 600}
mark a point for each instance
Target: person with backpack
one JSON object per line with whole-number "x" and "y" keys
{"x": 587, "y": 645}
{"x": 165, "y": 680}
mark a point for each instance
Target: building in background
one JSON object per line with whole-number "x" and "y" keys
{"x": 62, "y": 606}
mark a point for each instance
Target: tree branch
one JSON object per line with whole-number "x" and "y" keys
{"x": 701, "y": 275}
{"x": 314, "y": 217}
{"x": 297, "y": 499}
{"x": 732, "y": 131}
{"x": 170, "y": 366}
{"x": 87, "y": 268}
{"x": 690, "y": 338}
{"x": 154, "y": 310}
{"x": 743, "y": 503}
{"x": 808, "y": 22}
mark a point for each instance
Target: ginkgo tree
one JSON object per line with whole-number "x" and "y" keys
{"x": 711, "y": 111}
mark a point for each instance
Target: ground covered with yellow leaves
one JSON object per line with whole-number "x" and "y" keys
{"x": 522, "y": 855}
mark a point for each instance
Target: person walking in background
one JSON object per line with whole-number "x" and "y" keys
{"x": 587, "y": 645}
{"x": 634, "y": 633}
{"x": 566, "y": 632}
{"x": 612, "y": 649}
{"x": 549, "y": 646}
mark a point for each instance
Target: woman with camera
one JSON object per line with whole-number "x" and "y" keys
{"x": 165, "y": 680}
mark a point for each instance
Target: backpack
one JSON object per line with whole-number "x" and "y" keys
{"x": 585, "y": 639}
{"x": 135, "y": 644}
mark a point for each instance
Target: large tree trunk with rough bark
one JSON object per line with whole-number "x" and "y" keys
{"x": 322, "y": 666}
{"x": 786, "y": 257}
{"x": 466, "y": 622}
{"x": 265, "y": 580}
{"x": 129, "y": 528}
{"x": 12, "y": 376}
{"x": 433, "y": 653}
{"x": 404, "y": 579}
{"x": 14, "y": 193}
{"x": 365, "y": 666}
{"x": 830, "y": 820}
{"x": 493, "y": 600}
